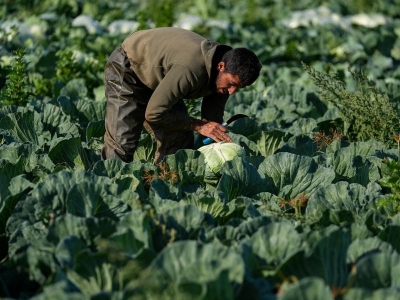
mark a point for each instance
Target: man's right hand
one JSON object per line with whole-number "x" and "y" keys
{"x": 212, "y": 129}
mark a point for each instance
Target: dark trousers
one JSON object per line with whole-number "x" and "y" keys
{"x": 127, "y": 99}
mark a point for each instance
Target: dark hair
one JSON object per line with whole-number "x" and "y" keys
{"x": 243, "y": 63}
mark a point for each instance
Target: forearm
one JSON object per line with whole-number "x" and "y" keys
{"x": 175, "y": 118}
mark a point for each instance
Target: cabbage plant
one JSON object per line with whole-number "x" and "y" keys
{"x": 215, "y": 155}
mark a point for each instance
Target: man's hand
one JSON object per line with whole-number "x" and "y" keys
{"x": 213, "y": 130}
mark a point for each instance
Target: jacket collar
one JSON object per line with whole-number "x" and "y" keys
{"x": 212, "y": 53}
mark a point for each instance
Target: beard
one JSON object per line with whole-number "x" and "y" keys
{"x": 220, "y": 87}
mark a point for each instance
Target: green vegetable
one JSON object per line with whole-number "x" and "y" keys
{"x": 217, "y": 154}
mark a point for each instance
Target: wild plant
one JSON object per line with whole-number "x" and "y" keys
{"x": 15, "y": 91}
{"x": 68, "y": 69}
{"x": 161, "y": 172}
{"x": 324, "y": 140}
{"x": 368, "y": 112}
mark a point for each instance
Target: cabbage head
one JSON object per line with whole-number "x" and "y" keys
{"x": 216, "y": 154}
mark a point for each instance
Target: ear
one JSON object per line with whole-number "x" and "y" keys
{"x": 221, "y": 66}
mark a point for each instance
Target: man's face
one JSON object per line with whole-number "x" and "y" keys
{"x": 226, "y": 83}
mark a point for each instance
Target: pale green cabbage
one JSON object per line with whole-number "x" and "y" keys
{"x": 216, "y": 154}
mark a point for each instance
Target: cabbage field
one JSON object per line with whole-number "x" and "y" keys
{"x": 309, "y": 210}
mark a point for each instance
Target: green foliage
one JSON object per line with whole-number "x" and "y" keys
{"x": 21, "y": 85}
{"x": 393, "y": 183}
{"x": 161, "y": 13}
{"x": 70, "y": 66}
{"x": 369, "y": 113}
{"x": 365, "y": 6}
{"x": 65, "y": 69}
{"x": 16, "y": 88}
{"x": 293, "y": 216}
{"x": 193, "y": 108}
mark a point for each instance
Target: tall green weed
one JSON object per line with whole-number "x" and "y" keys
{"x": 367, "y": 111}
{"x": 15, "y": 91}
{"x": 20, "y": 86}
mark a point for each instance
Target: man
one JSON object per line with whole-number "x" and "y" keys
{"x": 149, "y": 75}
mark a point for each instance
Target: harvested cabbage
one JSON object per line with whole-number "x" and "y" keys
{"x": 216, "y": 154}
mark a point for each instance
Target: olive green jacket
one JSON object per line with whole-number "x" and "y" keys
{"x": 176, "y": 64}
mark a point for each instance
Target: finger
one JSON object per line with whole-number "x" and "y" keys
{"x": 223, "y": 129}
{"x": 224, "y": 137}
{"x": 218, "y": 137}
{"x": 227, "y": 138}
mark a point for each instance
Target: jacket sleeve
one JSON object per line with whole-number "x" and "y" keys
{"x": 213, "y": 107}
{"x": 177, "y": 83}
